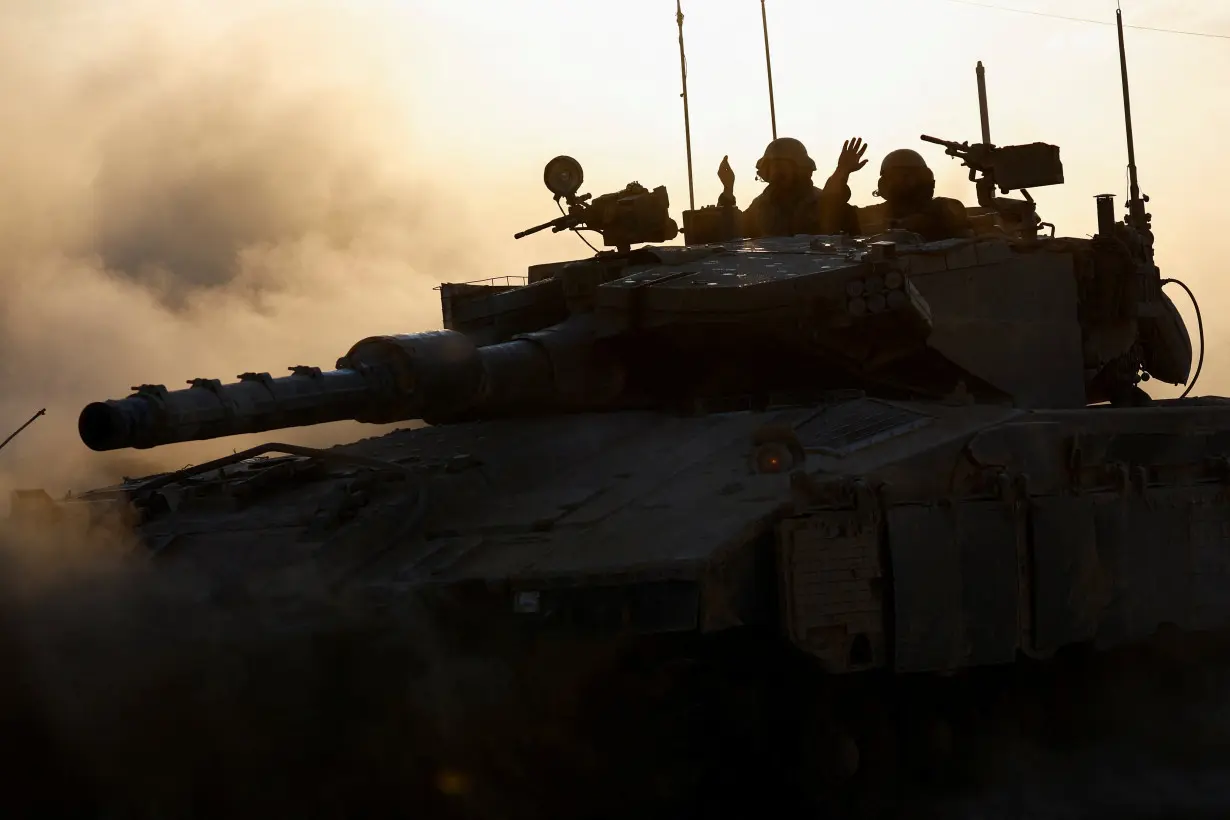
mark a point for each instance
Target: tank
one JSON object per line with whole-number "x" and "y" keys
{"x": 808, "y": 516}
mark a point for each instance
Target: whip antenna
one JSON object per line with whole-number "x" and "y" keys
{"x": 1136, "y": 206}
{"x": 768, "y": 64}
{"x": 22, "y": 427}
{"x": 687, "y": 125}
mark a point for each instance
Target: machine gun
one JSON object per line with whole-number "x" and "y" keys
{"x": 623, "y": 218}
{"x": 1007, "y": 167}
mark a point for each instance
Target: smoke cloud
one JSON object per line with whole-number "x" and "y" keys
{"x": 199, "y": 191}
{"x": 195, "y": 193}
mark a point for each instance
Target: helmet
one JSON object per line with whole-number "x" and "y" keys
{"x": 902, "y": 158}
{"x": 789, "y": 149}
{"x": 904, "y": 170}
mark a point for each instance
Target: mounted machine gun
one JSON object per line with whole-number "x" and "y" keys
{"x": 623, "y": 218}
{"x": 1008, "y": 168}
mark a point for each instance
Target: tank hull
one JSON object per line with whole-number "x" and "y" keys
{"x": 837, "y": 612}
{"x": 961, "y": 535}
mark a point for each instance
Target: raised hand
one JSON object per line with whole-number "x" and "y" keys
{"x": 726, "y": 174}
{"x": 851, "y": 158}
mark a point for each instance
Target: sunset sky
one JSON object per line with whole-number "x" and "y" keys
{"x": 204, "y": 188}
{"x": 521, "y": 81}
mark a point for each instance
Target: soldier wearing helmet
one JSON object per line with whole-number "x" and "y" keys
{"x": 791, "y": 204}
{"x": 908, "y": 189}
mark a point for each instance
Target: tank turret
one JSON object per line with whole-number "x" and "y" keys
{"x": 661, "y": 327}
{"x": 1013, "y": 320}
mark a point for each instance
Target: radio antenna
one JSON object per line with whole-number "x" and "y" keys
{"x": 768, "y": 64}
{"x": 1136, "y": 206}
{"x": 687, "y": 124}
{"x": 16, "y": 432}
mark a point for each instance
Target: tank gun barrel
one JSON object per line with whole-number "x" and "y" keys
{"x": 383, "y": 379}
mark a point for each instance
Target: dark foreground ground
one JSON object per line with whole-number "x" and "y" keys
{"x": 126, "y": 697}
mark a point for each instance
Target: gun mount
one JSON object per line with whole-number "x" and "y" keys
{"x": 1008, "y": 168}
{"x": 623, "y": 218}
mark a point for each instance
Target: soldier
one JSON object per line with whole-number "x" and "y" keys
{"x": 791, "y": 204}
{"x": 908, "y": 188}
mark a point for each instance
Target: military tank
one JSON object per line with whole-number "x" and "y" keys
{"x": 814, "y": 511}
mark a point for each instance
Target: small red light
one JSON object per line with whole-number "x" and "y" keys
{"x": 773, "y": 458}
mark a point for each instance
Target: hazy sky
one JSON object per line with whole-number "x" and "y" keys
{"x": 206, "y": 187}
{"x": 515, "y": 83}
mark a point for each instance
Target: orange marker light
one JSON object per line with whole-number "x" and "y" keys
{"x": 773, "y": 457}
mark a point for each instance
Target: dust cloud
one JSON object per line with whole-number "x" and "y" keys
{"x": 200, "y": 192}
{"x": 151, "y": 691}
{"x": 192, "y": 191}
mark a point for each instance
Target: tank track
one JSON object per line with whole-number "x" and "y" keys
{"x": 734, "y": 725}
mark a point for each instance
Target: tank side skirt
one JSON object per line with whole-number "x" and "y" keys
{"x": 1107, "y": 555}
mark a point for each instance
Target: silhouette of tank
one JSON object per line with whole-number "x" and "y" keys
{"x": 828, "y": 481}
